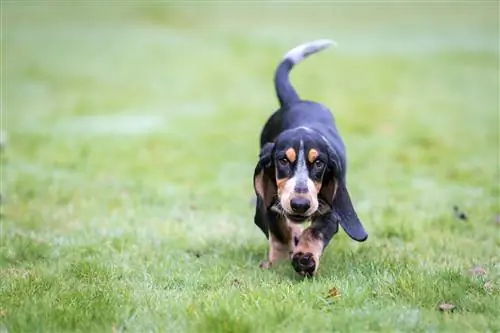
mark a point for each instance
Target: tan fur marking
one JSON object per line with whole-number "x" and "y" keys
{"x": 259, "y": 183}
{"x": 312, "y": 155}
{"x": 278, "y": 250}
{"x": 291, "y": 154}
{"x": 280, "y": 183}
{"x": 310, "y": 244}
{"x": 265, "y": 187}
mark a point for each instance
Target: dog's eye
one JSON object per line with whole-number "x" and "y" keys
{"x": 283, "y": 161}
{"x": 318, "y": 164}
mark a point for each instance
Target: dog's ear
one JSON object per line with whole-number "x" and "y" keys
{"x": 335, "y": 192}
{"x": 349, "y": 220}
{"x": 264, "y": 178}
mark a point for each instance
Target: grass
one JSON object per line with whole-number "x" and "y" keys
{"x": 132, "y": 138}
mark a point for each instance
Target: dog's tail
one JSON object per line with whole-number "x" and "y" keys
{"x": 286, "y": 93}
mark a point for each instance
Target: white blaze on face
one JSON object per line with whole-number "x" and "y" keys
{"x": 299, "y": 185}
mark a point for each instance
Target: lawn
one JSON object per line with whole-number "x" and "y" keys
{"x": 131, "y": 135}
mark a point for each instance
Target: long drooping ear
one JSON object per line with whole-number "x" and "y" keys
{"x": 335, "y": 191}
{"x": 264, "y": 175}
{"x": 349, "y": 220}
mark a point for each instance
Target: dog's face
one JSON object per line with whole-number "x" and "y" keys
{"x": 298, "y": 174}
{"x": 300, "y": 162}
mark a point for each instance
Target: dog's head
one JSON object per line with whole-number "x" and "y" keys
{"x": 301, "y": 175}
{"x": 298, "y": 174}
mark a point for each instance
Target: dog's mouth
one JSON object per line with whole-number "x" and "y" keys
{"x": 297, "y": 218}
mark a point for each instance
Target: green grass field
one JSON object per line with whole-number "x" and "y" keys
{"x": 133, "y": 134}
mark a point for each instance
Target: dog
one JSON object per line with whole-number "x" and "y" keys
{"x": 300, "y": 175}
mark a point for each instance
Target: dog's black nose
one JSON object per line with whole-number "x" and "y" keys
{"x": 300, "y": 205}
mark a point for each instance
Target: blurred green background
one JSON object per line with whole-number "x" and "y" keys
{"x": 132, "y": 137}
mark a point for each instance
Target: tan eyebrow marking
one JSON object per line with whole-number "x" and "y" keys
{"x": 291, "y": 154}
{"x": 312, "y": 155}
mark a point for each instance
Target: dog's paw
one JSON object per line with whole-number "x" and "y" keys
{"x": 265, "y": 264}
{"x": 304, "y": 263}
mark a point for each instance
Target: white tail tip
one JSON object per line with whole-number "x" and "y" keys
{"x": 302, "y": 51}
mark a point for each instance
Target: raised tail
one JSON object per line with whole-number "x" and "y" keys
{"x": 286, "y": 93}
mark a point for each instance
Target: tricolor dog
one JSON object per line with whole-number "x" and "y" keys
{"x": 301, "y": 175}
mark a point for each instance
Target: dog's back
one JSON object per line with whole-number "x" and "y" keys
{"x": 293, "y": 111}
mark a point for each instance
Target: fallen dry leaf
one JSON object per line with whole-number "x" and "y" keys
{"x": 334, "y": 292}
{"x": 477, "y": 271}
{"x": 446, "y": 307}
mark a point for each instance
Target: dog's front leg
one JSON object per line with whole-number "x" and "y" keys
{"x": 306, "y": 255}
{"x": 283, "y": 236}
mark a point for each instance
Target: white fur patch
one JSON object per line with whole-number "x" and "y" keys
{"x": 302, "y": 51}
{"x": 288, "y": 192}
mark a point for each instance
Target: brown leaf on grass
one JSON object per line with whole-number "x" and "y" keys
{"x": 334, "y": 292}
{"x": 445, "y": 307}
{"x": 477, "y": 271}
